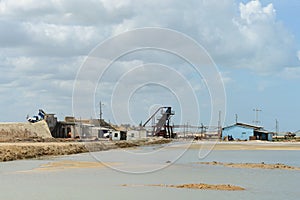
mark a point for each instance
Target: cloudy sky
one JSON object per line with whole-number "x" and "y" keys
{"x": 254, "y": 44}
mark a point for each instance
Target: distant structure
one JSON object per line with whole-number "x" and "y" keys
{"x": 162, "y": 127}
{"x": 242, "y": 131}
{"x": 47, "y": 125}
{"x": 77, "y": 128}
{"x": 61, "y": 129}
{"x": 91, "y": 129}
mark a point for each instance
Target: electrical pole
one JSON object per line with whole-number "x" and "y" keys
{"x": 236, "y": 118}
{"x": 202, "y": 127}
{"x": 256, "y": 121}
{"x": 184, "y": 131}
{"x": 219, "y": 124}
{"x": 277, "y": 127}
{"x": 100, "y": 112}
{"x": 187, "y": 128}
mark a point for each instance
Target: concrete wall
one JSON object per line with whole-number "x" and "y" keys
{"x": 115, "y": 135}
{"x": 237, "y": 132}
{"x": 136, "y": 135}
{"x": 64, "y": 130}
{"x": 24, "y": 130}
{"x": 118, "y": 135}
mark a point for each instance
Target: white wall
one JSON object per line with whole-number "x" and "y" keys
{"x": 115, "y": 135}
{"x": 135, "y": 135}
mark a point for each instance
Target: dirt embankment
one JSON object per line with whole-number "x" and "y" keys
{"x": 26, "y": 150}
{"x": 18, "y": 131}
{"x": 199, "y": 186}
{"x": 261, "y": 165}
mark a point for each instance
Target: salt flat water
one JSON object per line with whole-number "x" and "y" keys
{"x": 21, "y": 179}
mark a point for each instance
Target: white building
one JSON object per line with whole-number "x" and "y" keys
{"x": 118, "y": 135}
{"x": 136, "y": 134}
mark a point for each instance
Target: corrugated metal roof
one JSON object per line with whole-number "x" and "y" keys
{"x": 248, "y": 125}
{"x": 245, "y": 125}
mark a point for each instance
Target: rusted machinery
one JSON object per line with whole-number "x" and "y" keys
{"x": 162, "y": 127}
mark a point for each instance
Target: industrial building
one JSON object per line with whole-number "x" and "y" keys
{"x": 90, "y": 129}
{"x": 98, "y": 128}
{"x": 61, "y": 129}
{"x": 77, "y": 128}
{"x": 244, "y": 132}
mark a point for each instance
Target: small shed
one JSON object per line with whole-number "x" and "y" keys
{"x": 263, "y": 135}
{"x": 136, "y": 134}
{"x": 118, "y": 135}
{"x": 242, "y": 131}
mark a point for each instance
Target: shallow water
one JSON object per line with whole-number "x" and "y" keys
{"x": 23, "y": 179}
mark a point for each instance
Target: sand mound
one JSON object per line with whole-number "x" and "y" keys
{"x": 253, "y": 165}
{"x": 199, "y": 186}
{"x": 204, "y": 186}
{"x": 67, "y": 165}
{"x": 26, "y": 130}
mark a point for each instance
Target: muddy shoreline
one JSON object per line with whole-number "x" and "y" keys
{"x": 28, "y": 150}
{"x": 198, "y": 186}
{"x": 240, "y": 146}
{"x": 261, "y": 165}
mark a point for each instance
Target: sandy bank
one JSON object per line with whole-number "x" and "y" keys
{"x": 249, "y": 145}
{"x": 253, "y": 165}
{"x": 199, "y": 186}
{"x": 26, "y": 150}
{"x": 14, "y": 131}
{"x": 67, "y": 165}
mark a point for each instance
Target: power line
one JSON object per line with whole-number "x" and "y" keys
{"x": 256, "y": 121}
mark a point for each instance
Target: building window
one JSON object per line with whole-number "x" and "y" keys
{"x": 243, "y": 132}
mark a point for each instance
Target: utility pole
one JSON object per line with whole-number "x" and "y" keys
{"x": 184, "y": 131}
{"x": 202, "y": 127}
{"x": 100, "y": 112}
{"x": 277, "y": 127}
{"x": 219, "y": 124}
{"x": 256, "y": 121}
{"x": 236, "y": 118}
{"x": 187, "y": 128}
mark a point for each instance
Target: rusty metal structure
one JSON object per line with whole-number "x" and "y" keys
{"x": 162, "y": 127}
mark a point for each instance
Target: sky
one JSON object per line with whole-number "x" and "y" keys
{"x": 254, "y": 45}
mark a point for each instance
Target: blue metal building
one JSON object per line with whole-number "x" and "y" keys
{"x": 242, "y": 131}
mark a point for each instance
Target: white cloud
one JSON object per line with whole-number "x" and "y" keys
{"x": 42, "y": 43}
{"x": 291, "y": 73}
{"x": 251, "y": 38}
{"x": 115, "y": 5}
{"x": 62, "y": 35}
{"x": 262, "y": 43}
{"x": 254, "y": 11}
{"x": 226, "y": 78}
